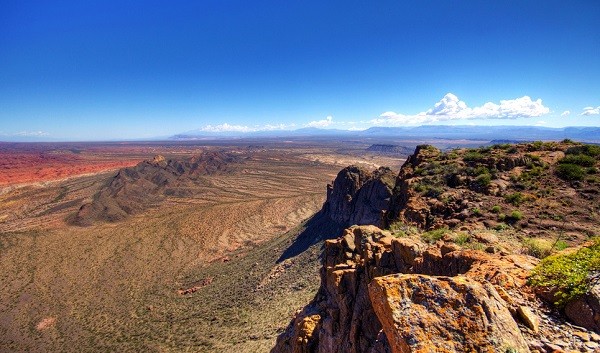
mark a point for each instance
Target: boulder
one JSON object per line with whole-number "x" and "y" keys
{"x": 422, "y": 313}
{"x": 585, "y": 310}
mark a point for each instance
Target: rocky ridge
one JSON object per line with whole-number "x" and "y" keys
{"x": 145, "y": 185}
{"x": 409, "y": 291}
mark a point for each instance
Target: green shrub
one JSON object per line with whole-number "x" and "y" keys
{"x": 501, "y": 146}
{"x": 501, "y": 226}
{"x": 501, "y": 216}
{"x": 561, "y": 245}
{"x": 434, "y": 235}
{"x": 536, "y": 146}
{"x": 462, "y": 238}
{"x": 516, "y": 215}
{"x": 579, "y": 159}
{"x": 496, "y": 209}
{"x": 399, "y": 229}
{"x": 484, "y": 179}
{"x": 476, "y": 211}
{"x": 473, "y": 156}
{"x": 570, "y": 172}
{"x": 515, "y": 198}
{"x": 588, "y": 150}
{"x": 569, "y": 274}
{"x": 539, "y": 248}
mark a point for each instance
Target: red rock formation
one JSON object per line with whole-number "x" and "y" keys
{"x": 350, "y": 314}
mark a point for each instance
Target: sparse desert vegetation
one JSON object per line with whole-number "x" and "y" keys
{"x": 115, "y": 286}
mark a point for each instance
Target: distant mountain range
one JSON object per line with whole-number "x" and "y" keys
{"x": 468, "y": 132}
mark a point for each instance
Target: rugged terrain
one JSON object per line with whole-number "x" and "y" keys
{"x": 220, "y": 268}
{"x": 453, "y": 272}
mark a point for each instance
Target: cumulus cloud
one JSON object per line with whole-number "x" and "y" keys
{"x": 591, "y": 111}
{"x": 321, "y": 123}
{"x": 450, "y": 107}
{"x": 565, "y": 113}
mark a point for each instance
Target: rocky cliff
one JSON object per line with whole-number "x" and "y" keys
{"x": 384, "y": 294}
{"x": 358, "y": 196}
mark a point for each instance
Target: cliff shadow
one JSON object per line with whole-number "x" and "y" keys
{"x": 318, "y": 228}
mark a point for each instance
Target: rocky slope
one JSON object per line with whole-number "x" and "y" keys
{"x": 522, "y": 187}
{"x": 426, "y": 285}
{"x": 148, "y": 183}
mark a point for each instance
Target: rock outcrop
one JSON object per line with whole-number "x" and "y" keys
{"x": 145, "y": 185}
{"x": 585, "y": 310}
{"x": 368, "y": 276}
{"x": 453, "y": 314}
{"x": 358, "y": 196}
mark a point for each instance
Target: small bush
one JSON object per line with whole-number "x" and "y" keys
{"x": 570, "y": 172}
{"x": 473, "y": 156}
{"x": 569, "y": 274}
{"x": 496, "y": 209}
{"x": 501, "y": 146}
{"x": 434, "y": 235}
{"x": 476, "y": 211}
{"x": 539, "y": 248}
{"x": 484, "y": 179}
{"x": 461, "y": 239}
{"x": 501, "y": 226}
{"x": 516, "y": 215}
{"x": 399, "y": 229}
{"x": 515, "y": 198}
{"x": 588, "y": 150}
{"x": 579, "y": 159}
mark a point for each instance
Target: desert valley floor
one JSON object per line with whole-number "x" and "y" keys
{"x": 210, "y": 272}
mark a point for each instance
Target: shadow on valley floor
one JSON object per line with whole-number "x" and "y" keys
{"x": 320, "y": 227}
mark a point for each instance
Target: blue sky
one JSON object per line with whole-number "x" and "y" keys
{"x": 84, "y": 70}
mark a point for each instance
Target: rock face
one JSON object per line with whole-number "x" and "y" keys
{"x": 585, "y": 311}
{"x": 361, "y": 288}
{"x": 358, "y": 196}
{"x": 137, "y": 188}
{"x": 452, "y": 314}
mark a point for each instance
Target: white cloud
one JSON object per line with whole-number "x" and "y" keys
{"x": 591, "y": 111}
{"x": 565, "y": 113}
{"x": 225, "y": 127}
{"x": 450, "y": 107}
{"x": 31, "y": 133}
{"x": 321, "y": 123}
